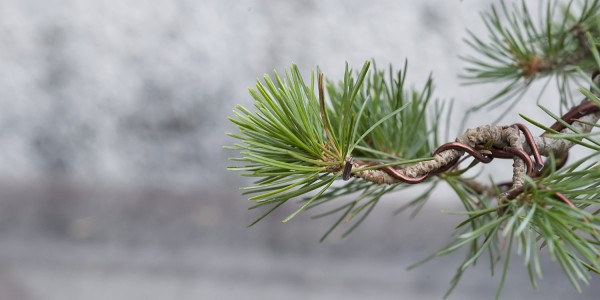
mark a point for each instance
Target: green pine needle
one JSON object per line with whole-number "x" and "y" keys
{"x": 521, "y": 49}
{"x": 297, "y": 142}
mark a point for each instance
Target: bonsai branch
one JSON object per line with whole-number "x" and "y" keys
{"x": 487, "y": 142}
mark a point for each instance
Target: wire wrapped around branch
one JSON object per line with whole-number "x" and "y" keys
{"x": 487, "y": 142}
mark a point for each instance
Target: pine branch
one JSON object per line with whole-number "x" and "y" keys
{"x": 372, "y": 135}
{"x": 297, "y": 142}
{"x": 521, "y": 51}
{"x": 499, "y": 137}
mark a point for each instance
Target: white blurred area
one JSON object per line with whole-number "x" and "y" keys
{"x": 113, "y": 185}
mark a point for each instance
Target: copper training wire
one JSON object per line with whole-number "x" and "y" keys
{"x": 575, "y": 113}
{"x": 347, "y": 173}
{"x": 397, "y": 175}
{"x": 523, "y": 156}
{"x": 532, "y": 145}
{"x": 586, "y": 107}
{"x": 508, "y": 152}
{"x": 448, "y": 166}
{"x": 466, "y": 148}
{"x": 413, "y": 180}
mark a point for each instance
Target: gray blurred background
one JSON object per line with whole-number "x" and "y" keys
{"x": 112, "y": 172}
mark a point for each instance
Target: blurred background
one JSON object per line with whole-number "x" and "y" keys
{"x": 113, "y": 185}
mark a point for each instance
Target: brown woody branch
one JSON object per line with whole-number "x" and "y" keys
{"x": 487, "y": 142}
